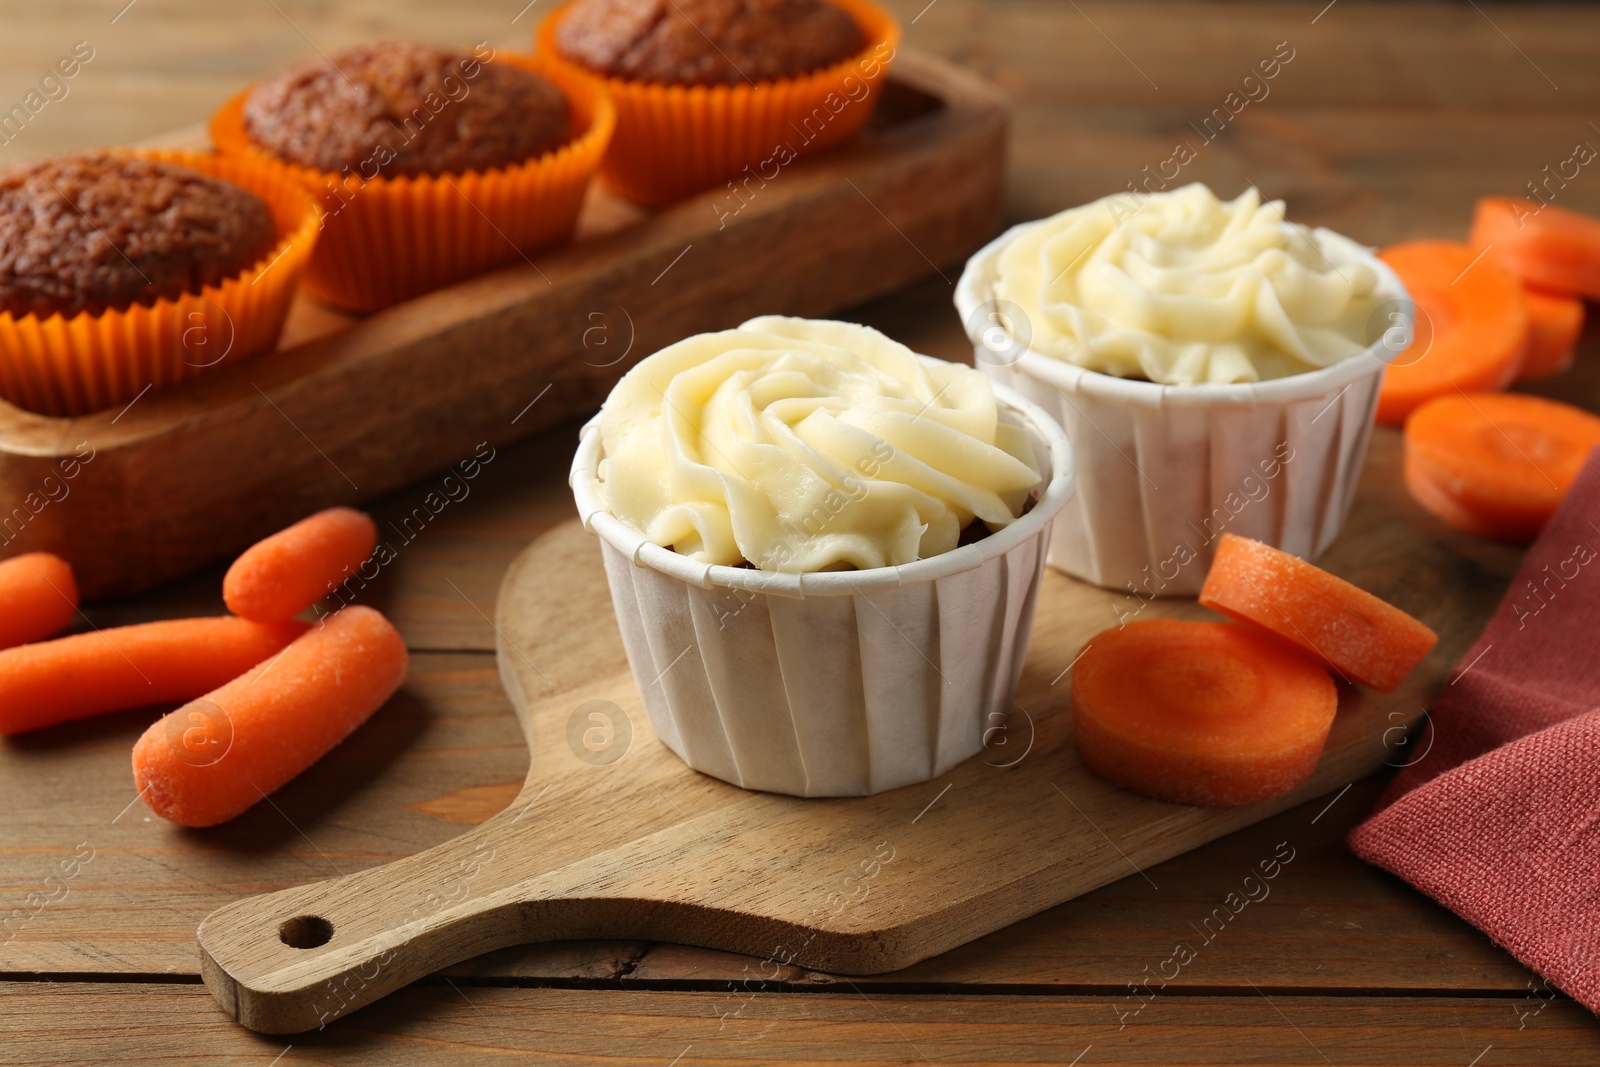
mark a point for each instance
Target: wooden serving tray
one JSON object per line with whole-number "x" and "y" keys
{"x": 613, "y": 837}
{"x": 351, "y": 408}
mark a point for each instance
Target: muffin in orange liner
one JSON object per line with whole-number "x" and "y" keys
{"x": 676, "y": 140}
{"x": 77, "y": 364}
{"x": 389, "y": 239}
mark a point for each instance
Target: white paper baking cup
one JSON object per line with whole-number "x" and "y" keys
{"x": 840, "y": 683}
{"x": 1164, "y": 470}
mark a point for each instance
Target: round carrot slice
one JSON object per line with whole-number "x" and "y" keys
{"x": 1434, "y": 497}
{"x": 1555, "y": 323}
{"x": 1503, "y": 461}
{"x": 1204, "y": 713}
{"x": 1547, "y": 246}
{"x": 1472, "y": 326}
{"x": 1361, "y": 637}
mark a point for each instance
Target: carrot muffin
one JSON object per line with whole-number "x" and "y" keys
{"x": 88, "y": 233}
{"x": 707, "y": 42}
{"x": 412, "y": 108}
{"x": 710, "y": 92}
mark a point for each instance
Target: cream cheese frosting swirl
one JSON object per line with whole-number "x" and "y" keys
{"x": 1185, "y": 289}
{"x": 800, "y": 445}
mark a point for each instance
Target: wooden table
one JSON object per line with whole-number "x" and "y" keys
{"x": 1385, "y": 124}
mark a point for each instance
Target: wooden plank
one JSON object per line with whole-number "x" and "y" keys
{"x": 134, "y": 906}
{"x": 1184, "y": 57}
{"x": 155, "y": 70}
{"x": 89, "y": 1023}
{"x": 1355, "y": 171}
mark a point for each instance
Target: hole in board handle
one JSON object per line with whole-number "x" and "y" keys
{"x": 305, "y": 931}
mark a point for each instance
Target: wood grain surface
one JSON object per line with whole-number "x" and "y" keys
{"x": 1388, "y": 122}
{"x": 616, "y": 837}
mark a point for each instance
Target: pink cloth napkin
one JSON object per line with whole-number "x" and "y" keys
{"x": 1499, "y": 820}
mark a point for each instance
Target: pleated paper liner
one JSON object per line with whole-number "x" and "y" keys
{"x": 1165, "y": 469}
{"x": 833, "y": 683}
{"x": 676, "y": 140}
{"x": 390, "y": 239}
{"x": 74, "y": 365}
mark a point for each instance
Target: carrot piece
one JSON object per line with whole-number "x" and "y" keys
{"x": 281, "y": 576}
{"x": 1555, "y": 322}
{"x": 1204, "y": 713}
{"x": 38, "y": 598}
{"x": 130, "y": 667}
{"x": 1544, "y": 245}
{"x": 1471, "y": 331}
{"x": 1496, "y": 464}
{"x": 214, "y": 757}
{"x": 1358, "y": 635}
{"x": 1434, "y": 497}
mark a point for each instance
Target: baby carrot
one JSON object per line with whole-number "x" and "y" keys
{"x": 1206, "y": 713}
{"x": 130, "y": 667}
{"x": 1554, "y": 324}
{"x": 214, "y": 757}
{"x": 1496, "y": 464}
{"x": 1472, "y": 326}
{"x": 37, "y": 598}
{"x": 281, "y": 576}
{"x": 1360, "y": 636}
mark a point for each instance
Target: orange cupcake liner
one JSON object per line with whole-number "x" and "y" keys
{"x": 675, "y": 140}
{"x": 386, "y": 240}
{"x": 74, "y": 365}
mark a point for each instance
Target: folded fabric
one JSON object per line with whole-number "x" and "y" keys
{"x": 1499, "y": 819}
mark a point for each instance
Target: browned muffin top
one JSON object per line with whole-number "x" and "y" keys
{"x": 400, "y": 109}
{"x": 91, "y": 232}
{"x": 707, "y": 42}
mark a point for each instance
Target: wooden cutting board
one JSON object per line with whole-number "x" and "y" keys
{"x": 612, "y": 836}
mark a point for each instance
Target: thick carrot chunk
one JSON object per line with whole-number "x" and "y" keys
{"x": 1361, "y": 637}
{"x": 1206, "y": 713}
{"x": 1496, "y": 464}
{"x": 1544, "y": 245}
{"x": 1471, "y": 331}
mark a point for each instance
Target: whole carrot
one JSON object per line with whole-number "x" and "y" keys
{"x": 38, "y": 597}
{"x": 281, "y": 576}
{"x": 130, "y": 667}
{"x": 214, "y": 757}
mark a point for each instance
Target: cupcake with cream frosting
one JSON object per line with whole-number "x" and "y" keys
{"x": 777, "y": 500}
{"x": 797, "y": 446}
{"x": 1215, "y": 365}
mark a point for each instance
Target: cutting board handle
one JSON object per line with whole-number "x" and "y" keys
{"x": 298, "y": 959}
